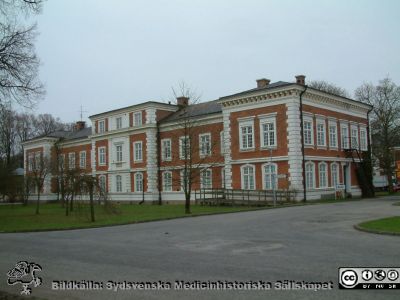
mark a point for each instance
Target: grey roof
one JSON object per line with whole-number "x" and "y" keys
{"x": 67, "y": 135}
{"x": 195, "y": 110}
{"x": 269, "y": 86}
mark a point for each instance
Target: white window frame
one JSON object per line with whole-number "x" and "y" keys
{"x": 206, "y": 181}
{"x": 242, "y": 124}
{"x": 181, "y": 145}
{"x": 246, "y": 184}
{"x": 267, "y": 143}
{"x": 138, "y": 151}
{"x": 82, "y": 159}
{"x": 333, "y": 183}
{"x": 272, "y": 182}
{"x": 118, "y": 183}
{"x": 102, "y": 156}
{"x": 354, "y": 138}
{"x": 344, "y": 138}
{"x": 204, "y": 145}
{"x": 222, "y": 141}
{"x": 137, "y": 119}
{"x": 102, "y": 126}
{"x": 321, "y": 140}
{"x": 139, "y": 186}
{"x": 166, "y": 149}
{"x": 167, "y": 182}
{"x": 71, "y": 160}
{"x": 118, "y": 153}
{"x": 309, "y": 131}
{"x": 363, "y": 140}
{"x": 308, "y": 185}
{"x": 30, "y": 162}
{"x": 333, "y": 136}
{"x": 101, "y": 178}
{"x": 118, "y": 123}
{"x": 323, "y": 175}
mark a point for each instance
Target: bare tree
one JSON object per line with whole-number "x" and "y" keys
{"x": 46, "y": 123}
{"x": 41, "y": 169}
{"x": 329, "y": 88}
{"x": 7, "y": 134}
{"x": 385, "y": 125}
{"x": 19, "y": 64}
{"x": 194, "y": 154}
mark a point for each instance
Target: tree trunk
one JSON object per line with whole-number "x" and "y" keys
{"x": 66, "y": 206}
{"x": 71, "y": 202}
{"x": 91, "y": 204}
{"x": 37, "y": 201}
{"x": 187, "y": 204}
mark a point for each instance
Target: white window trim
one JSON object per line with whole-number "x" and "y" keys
{"x": 333, "y": 124}
{"x": 313, "y": 174}
{"x": 163, "y": 181}
{"x": 116, "y": 184}
{"x": 311, "y": 120}
{"x": 181, "y": 156}
{"x": 223, "y": 184}
{"x": 326, "y": 175}
{"x": 201, "y": 178}
{"x": 141, "y": 118}
{"x": 163, "y": 158}
{"x": 201, "y": 154}
{"x": 262, "y": 122}
{"x": 263, "y": 174}
{"x": 104, "y": 126}
{"x": 80, "y": 159}
{"x": 363, "y": 129}
{"x": 242, "y": 175}
{"x": 70, "y": 165}
{"x": 337, "y": 174}
{"x": 116, "y": 123}
{"x": 321, "y": 122}
{"x": 342, "y": 126}
{"x": 116, "y": 153}
{"x": 105, "y": 156}
{"x": 135, "y": 159}
{"x": 135, "y": 182}
{"x": 354, "y": 127}
{"x": 246, "y": 123}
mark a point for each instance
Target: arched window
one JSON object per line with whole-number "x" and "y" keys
{"x": 310, "y": 175}
{"x": 118, "y": 183}
{"x": 248, "y": 180}
{"x": 323, "y": 175}
{"x": 206, "y": 179}
{"x": 270, "y": 176}
{"x": 167, "y": 181}
{"x": 334, "y": 174}
{"x": 139, "y": 182}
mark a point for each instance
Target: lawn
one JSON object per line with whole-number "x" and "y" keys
{"x": 15, "y": 218}
{"x": 387, "y": 225}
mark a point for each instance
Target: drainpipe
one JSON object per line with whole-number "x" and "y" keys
{"x": 302, "y": 144}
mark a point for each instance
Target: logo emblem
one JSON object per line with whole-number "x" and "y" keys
{"x": 25, "y": 274}
{"x": 380, "y": 275}
{"x": 349, "y": 278}
{"x": 392, "y": 275}
{"x": 367, "y": 275}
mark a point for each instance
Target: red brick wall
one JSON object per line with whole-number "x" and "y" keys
{"x": 144, "y": 181}
{"x": 77, "y": 149}
{"x": 137, "y": 138}
{"x": 32, "y": 152}
{"x": 102, "y": 143}
{"x": 161, "y": 114}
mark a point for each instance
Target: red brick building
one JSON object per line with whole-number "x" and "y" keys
{"x": 281, "y": 135}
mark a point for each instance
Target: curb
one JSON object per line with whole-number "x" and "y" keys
{"x": 358, "y": 227}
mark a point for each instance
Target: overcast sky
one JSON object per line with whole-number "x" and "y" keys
{"x": 106, "y": 54}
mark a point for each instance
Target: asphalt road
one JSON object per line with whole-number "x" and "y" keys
{"x": 305, "y": 243}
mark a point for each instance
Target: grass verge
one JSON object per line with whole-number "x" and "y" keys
{"x": 382, "y": 226}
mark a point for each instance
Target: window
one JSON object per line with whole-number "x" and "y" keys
{"x": 167, "y": 181}
{"x": 354, "y": 137}
{"x": 334, "y": 174}
{"x": 118, "y": 151}
{"x": 268, "y": 133}
{"x": 102, "y": 156}
{"x": 345, "y": 136}
{"x": 332, "y": 135}
{"x": 363, "y": 139}
{"x": 137, "y": 118}
{"x": 309, "y": 175}
{"x": 102, "y": 183}
{"x": 118, "y": 123}
{"x": 246, "y": 135}
{"x": 166, "y": 149}
{"x": 248, "y": 177}
{"x": 308, "y": 132}
{"x": 206, "y": 179}
{"x": 102, "y": 127}
{"x": 139, "y": 182}
{"x": 184, "y": 147}
{"x": 30, "y": 162}
{"x": 270, "y": 176}
{"x": 185, "y": 180}
{"x": 205, "y": 144}
{"x": 323, "y": 175}
{"x": 138, "y": 152}
{"x": 82, "y": 159}
{"x": 222, "y": 141}
{"x": 321, "y": 133}
{"x": 71, "y": 160}
{"x": 118, "y": 183}
{"x": 223, "y": 178}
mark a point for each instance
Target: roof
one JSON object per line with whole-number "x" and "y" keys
{"x": 67, "y": 135}
{"x": 269, "y": 86}
{"x": 195, "y": 110}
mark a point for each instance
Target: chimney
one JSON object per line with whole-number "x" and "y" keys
{"x": 262, "y": 83}
{"x": 301, "y": 79}
{"x": 79, "y": 125}
{"x": 182, "y": 101}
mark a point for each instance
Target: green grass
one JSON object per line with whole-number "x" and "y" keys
{"x": 14, "y": 218}
{"x": 387, "y": 225}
